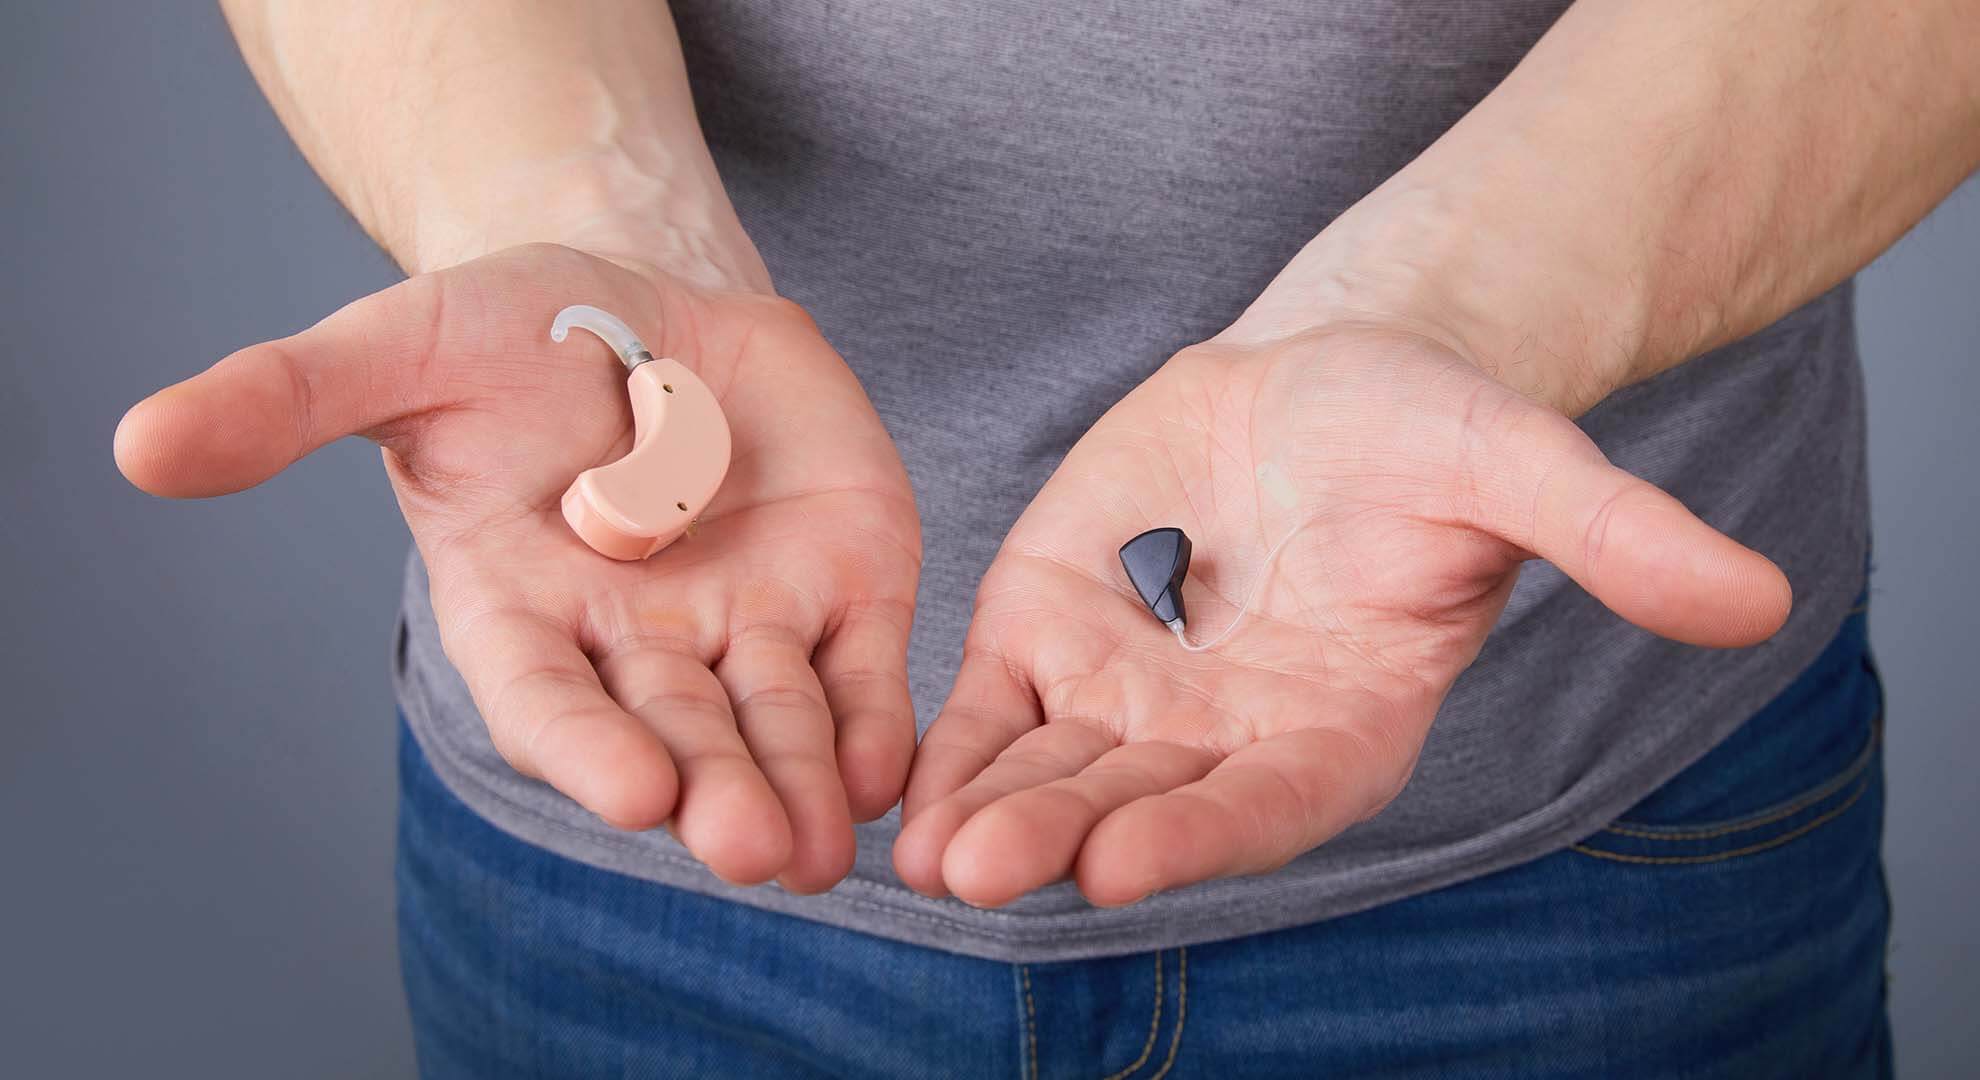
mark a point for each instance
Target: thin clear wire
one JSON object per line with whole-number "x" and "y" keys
{"x": 1251, "y": 597}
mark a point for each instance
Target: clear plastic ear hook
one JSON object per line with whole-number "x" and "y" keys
{"x": 615, "y": 334}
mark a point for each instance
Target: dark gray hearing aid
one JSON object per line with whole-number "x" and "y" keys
{"x": 1156, "y": 563}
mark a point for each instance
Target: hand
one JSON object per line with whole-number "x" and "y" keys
{"x": 747, "y": 685}
{"x": 1082, "y": 741}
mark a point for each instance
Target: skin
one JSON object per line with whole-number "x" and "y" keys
{"x": 746, "y": 685}
{"x": 1117, "y": 759}
{"x": 1654, "y": 180}
{"x": 1413, "y": 373}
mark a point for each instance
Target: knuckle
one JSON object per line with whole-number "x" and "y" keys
{"x": 670, "y": 702}
{"x": 777, "y": 697}
{"x": 763, "y": 633}
{"x": 865, "y": 682}
{"x": 651, "y": 644}
{"x": 1595, "y": 534}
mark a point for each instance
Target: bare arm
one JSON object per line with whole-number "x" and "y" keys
{"x": 455, "y": 130}
{"x": 1656, "y": 178}
{"x": 1653, "y": 180}
{"x": 746, "y": 688}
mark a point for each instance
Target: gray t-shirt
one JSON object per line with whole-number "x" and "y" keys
{"x": 970, "y": 197}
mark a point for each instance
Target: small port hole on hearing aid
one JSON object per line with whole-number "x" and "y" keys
{"x": 668, "y": 387}
{"x": 683, "y": 506}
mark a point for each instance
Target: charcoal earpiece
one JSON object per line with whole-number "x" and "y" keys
{"x": 1158, "y": 560}
{"x": 1156, "y": 563}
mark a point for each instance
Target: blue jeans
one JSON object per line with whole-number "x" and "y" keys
{"x": 1733, "y": 925}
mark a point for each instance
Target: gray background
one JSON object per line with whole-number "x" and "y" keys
{"x": 196, "y": 789}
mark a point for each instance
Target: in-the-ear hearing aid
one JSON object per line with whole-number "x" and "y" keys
{"x": 1157, "y": 562}
{"x": 644, "y": 501}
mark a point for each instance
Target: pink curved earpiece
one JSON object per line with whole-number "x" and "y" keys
{"x": 644, "y": 501}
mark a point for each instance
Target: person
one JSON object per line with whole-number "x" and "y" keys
{"x": 1449, "y": 289}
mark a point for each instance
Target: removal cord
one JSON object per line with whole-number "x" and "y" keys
{"x": 1251, "y": 597}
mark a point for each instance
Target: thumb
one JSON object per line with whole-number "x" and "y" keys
{"x": 261, "y": 409}
{"x": 1635, "y": 548}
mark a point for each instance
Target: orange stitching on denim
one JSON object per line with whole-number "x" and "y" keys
{"x": 1182, "y": 1011}
{"x": 1825, "y": 790}
{"x": 1030, "y": 1020}
{"x": 1154, "y": 1025}
{"x": 1673, "y": 860}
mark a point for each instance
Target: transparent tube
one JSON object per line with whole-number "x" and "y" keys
{"x": 1251, "y": 597}
{"x": 613, "y": 332}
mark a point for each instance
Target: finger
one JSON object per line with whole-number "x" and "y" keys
{"x": 862, "y": 668}
{"x": 551, "y": 718}
{"x": 780, "y": 711}
{"x": 1030, "y": 838}
{"x": 987, "y": 710}
{"x": 728, "y": 816}
{"x": 1639, "y": 551}
{"x": 1041, "y": 756}
{"x": 1256, "y": 811}
{"x": 262, "y": 408}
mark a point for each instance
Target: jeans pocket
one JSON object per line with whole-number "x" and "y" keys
{"x": 1805, "y": 760}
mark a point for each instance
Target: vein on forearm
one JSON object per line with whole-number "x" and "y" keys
{"x": 453, "y": 131}
{"x": 1659, "y": 178}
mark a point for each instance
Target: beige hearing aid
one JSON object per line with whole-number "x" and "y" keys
{"x": 644, "y": 501}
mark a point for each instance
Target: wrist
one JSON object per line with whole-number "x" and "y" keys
{"x": 602, "y": 202}
{"x": 1562, "y": 325}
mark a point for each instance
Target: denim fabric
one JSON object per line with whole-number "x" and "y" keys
{"x": 1732, "y": 925}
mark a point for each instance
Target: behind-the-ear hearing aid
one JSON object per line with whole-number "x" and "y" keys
{"x": 644, "y": 501}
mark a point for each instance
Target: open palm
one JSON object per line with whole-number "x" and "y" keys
{"x": 747, "y": 685}
{"x": 1081, "y": 740}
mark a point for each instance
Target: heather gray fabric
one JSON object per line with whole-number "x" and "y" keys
{"x": 1005, "y": 214}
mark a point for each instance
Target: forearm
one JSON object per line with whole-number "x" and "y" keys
{"x": 1656, "y": 179}
{"x": 451, "y": 131}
